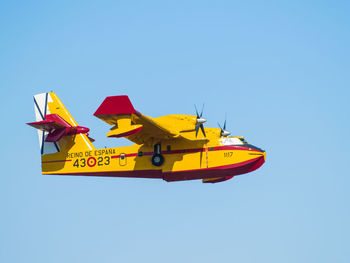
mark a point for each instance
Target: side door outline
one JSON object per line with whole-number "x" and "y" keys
{"x": 122, "y": 159}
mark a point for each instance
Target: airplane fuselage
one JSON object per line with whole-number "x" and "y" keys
{"x": 172, "y": 147}
{"x": 182, "y": 161}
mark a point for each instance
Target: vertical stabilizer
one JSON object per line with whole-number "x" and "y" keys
{"x": 48, "y": 104}
{"x": 41, "y": 110}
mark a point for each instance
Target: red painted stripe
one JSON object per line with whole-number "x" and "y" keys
{"x": 234, "y": 147}
{"x": 129, "y": 133}
{"x": 195, "y": 150}
{"x": 126, "y": 155}
{"x": 205, "y": 173}
{"x": 219, "y": 171}
{"x": 217, "y": 148}
{"x": 57, "y": 161}
{"x": 222, "y": 167}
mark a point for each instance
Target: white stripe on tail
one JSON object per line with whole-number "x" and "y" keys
{"x": 41, "y": 109}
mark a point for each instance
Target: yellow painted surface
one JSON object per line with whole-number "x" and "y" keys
{"x": 78, "y": 155}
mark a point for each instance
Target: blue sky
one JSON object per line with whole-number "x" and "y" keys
{"x": 280, "y": 70}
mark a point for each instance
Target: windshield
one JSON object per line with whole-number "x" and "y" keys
{"x": 230, "y": 141}
{"x": 243, "y": 140}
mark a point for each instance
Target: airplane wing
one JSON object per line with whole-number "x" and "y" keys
{"x": 138, "y": 128}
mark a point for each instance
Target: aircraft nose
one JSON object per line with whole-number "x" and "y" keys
{"x": 262, "y": 152}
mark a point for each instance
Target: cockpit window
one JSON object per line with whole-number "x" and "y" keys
{"x": 243, "y": 140}
{"x": 230, "y": 141}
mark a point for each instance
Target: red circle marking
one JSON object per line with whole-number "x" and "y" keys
{"x": 93, "y": 161}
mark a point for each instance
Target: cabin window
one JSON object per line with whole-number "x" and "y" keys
{"x": 211, "y": 149}
{"x": 140, "y": 153}
{"x": 168, "y": 148}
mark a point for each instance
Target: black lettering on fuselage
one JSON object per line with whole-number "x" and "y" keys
{"x": 104, "y": 152}
{"x": 75, "y": 155}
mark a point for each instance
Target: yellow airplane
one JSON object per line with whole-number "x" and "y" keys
{"x": 167, "y": 147}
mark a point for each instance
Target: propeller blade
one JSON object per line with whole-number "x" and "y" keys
{"x": 223, "y": 131}
{"x": 219, "y": 126}
{"x": 197, "y": 128}
{"x": 202, "y": 128}
{"x": 196, "y": 111}
{"x": 225, "y": 120}
{"x": 200, "y": 121}
{"x": 202, "y": 111}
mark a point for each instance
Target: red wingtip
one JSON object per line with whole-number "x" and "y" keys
{"x": 115, "y": 105}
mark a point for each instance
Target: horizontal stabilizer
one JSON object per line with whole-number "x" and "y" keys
{"x": 57, "y": 127}
{"x": 50, "y": 123}
{"x": 55, "y": 135}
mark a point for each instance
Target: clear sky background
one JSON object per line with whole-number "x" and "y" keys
{"x": 280, "y": 69}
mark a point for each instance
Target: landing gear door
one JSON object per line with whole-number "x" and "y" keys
{"x": 122, "y": 159}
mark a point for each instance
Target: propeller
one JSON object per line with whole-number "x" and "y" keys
{"x": 223, "y": 131}
{"x": 199, "y": 122}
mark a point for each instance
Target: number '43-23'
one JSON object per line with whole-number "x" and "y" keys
{"x": 91, "y": 161}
